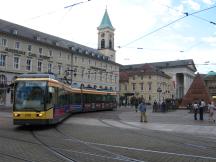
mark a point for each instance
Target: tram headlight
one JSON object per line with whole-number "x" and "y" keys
{"x": 16, "y": 114}
{"x": 39, "y": 115}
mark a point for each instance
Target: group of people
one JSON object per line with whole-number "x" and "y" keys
{"x": 199, "y": 107}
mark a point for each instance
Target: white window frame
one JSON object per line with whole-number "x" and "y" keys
{"x": 49, "y": 68}
{"x": 39, "y": 66}
{"x": 29, "y": 47}
{"x": 4, "y": 42}
{"x": 28, "y": 64}
{"x": 2, "y": 60}
{"x": 16, "y": 65}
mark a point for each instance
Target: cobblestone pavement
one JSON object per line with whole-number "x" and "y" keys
{"x": 111, "y": 136}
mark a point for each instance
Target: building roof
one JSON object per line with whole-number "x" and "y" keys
{"x": 106, "y": 23}
{"x": 47, "y": 39}
{"x": 166, "y": 64}
{"x": 146, "y": 69}
{"x": 211, "y": 73}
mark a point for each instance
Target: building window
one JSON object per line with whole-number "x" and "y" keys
{"x": 89, "y": 74}
{"x": 2, "y": 60}
{"x": 95, "y": 74}
{"x": 29, "y": 47}
{"x": 40, "y": 50}
{"x": 82, "y": 73}
{"x": 59, "y": 69}
{"x": 115, "y": 79}
{"x": 110, "y": 44}
{"x": 102, "y": 43}
{"x": 39, "y": 66}
{"x": 101, "y": 76}
{"x": 16, "y": 62}
{"x": 4, "y": 42}
{"x": 17, "y": 45}
{"x": 134, "y": 86}
{"x": 125, "y": 87}
{"x": 49, "y": 68}
{"x": 50, "y": 53}
{"x": 142, "y": 86}
{"x": 28, "y": 64}
{"x": 3, "y": 80}
{"x": 150, "y": 85}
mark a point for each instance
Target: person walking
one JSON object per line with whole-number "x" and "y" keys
{"x": 142, "y": 108}
{"x": 195, "y": 108}
{"x": 136, "y": 104}
{"x": 201, "y": 108}
{"x": 211, "y": 109}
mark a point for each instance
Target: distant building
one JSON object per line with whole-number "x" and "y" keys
{"x": 145, "y": 82}
{"x": 181, "y": 72}
{"x": 24, "y": 50}
{"x": 210, "y": 81}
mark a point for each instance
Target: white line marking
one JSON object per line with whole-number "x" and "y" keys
{"x": 153, "y": 151}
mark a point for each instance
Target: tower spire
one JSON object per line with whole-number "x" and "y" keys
{"x": 106, "y": 37}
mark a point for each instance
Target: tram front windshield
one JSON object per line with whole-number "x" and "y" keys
{"x": 29, "y": 96}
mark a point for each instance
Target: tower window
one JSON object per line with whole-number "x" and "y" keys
{"x": 102, "y": 43}
{"x": 110, "y": 44}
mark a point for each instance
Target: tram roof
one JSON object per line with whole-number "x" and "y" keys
{"x": 51, "y": 76}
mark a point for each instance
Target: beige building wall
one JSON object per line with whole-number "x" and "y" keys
{"x": 86, "y": 69}
{"x": 146, "y": 87}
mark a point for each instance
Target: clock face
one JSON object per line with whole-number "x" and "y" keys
{"x": 102, "y": 35}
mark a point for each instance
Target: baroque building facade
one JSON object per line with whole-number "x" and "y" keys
{"x": 24, "y": 50}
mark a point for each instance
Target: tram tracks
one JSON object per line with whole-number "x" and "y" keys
{"x": 17, "y": 157}
{"x": 110, "y": 155}
{"x": 52, "y": 149}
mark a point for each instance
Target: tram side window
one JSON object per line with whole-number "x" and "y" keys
{"x": 77, "y": 98}
{"x": 63, "y": 97}
{"x": 98, "y": 98}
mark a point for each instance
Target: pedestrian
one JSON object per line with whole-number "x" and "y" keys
{"x": 155, "y": 106}
{"x": 195, "y": 108}
{"x": 136, "y": 104}
{"x": 163, "y": 106}
{"x": 211, "y": 109}
{"x": 201, "y": 108}
{"x": 142, "y": 108}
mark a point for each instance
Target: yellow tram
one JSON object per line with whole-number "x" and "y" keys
{"x": 42, "y": 99}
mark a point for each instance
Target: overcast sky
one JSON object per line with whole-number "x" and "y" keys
{"x": 142, "y": 29}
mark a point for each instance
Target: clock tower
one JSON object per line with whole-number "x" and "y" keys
{"x": 106, "y": 37}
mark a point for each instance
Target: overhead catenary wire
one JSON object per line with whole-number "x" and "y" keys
{"x": 186, "y": 15}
